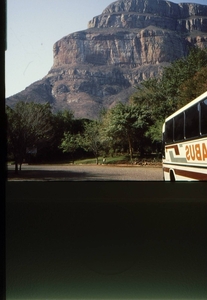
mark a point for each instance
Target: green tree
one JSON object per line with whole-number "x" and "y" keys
{"x": 152, "y": 96}
{"x": 179, "y": 83}
{"x": 126, "y": 123}
{"x": 70, "y": 143}
{"x": 62, "y": 122}
{"x": 28, "y": 125}
{"x": 162, "y": 95}
{"x": 179, "y": 72}
{"x": 193, "y": 87}
{"x": 91, "y": 139}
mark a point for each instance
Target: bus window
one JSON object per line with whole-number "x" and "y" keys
{"x": 204, "y": 116}
{"x": 179, "y": 127}
{"x": 192, "y": 121}
{"x": 169, "y": 131}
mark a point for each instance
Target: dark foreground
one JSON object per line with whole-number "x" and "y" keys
{"x": 91, "y": 240}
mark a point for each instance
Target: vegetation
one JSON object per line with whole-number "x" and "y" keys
{"x": 119, "y": 159}
{"x": 91, "y": 138}
{"x": 28, "y": 127}
{"x": 132, "y": 129}
{"x": 125, "y": 125}
{"x": 70, "y": 143}
{"x": 180, "y": 83}
{"x": 165, "y": 92}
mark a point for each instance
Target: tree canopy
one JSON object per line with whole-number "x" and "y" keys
{"x": 126, "y": 124}
{"x": 28, "y": 126}
{"x": 180, "y": 83}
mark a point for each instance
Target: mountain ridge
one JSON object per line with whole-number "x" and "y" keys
{"x": 131, "y": 41}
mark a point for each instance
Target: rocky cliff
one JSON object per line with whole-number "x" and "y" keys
{"x": 129, "y": 42}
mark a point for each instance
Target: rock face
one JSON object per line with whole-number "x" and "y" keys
{"x": 132, "y": 40}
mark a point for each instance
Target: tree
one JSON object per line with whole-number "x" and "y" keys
{"x": 28, "y": 125}
{"x": 179, "y": 72}
{"x": 70, "y": 143}
{"x": 91, "y": 140}
{"x": 126, "y": 123}
{"x": 62, "y": 122}
{"x": 162, "y": 95}
{"x": 87, "y": 139}
{"x": 153, "y": 97}
{"x": 193, "y": 87}
{"x": 179, "y": 83}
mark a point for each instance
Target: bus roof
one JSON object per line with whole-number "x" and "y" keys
{"x": 198, "y": 99}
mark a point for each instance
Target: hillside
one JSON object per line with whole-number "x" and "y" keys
{"x": 132, "y": 40}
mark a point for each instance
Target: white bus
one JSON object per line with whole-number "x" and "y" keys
{"x": 185, "y": 142}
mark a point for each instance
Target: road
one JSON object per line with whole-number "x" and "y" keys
{"x": 86, "y": 173}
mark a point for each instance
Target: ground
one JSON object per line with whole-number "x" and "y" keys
{"x": 69, "y": 172}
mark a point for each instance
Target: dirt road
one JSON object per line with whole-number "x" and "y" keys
{"x": 85, "y": 173}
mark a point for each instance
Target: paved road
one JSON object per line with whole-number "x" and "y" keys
{"x": 86, "y": 173}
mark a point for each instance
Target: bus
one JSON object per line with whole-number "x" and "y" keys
{"x": 185, "y": 142}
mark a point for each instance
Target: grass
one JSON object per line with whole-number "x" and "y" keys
{"x": 109, "y": 160}
{"x": 123, "y": 159}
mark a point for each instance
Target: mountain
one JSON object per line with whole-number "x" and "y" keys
{"x": 132, "y": 40}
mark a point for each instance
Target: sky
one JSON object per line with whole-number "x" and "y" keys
{"x": 33, "y": 26}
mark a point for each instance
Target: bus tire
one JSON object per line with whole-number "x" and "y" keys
{"x": 172, "y": 176}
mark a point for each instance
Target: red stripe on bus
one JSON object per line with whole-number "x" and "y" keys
{"x": 175, "y": 147}
{"x": 189, "y": 174}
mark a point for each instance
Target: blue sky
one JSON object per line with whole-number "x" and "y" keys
{"x": 33, "y": 26}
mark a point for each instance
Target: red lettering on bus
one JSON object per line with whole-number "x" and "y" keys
{"x": 187, "y": 152}
{"x": 198, "y": 152}
{"x": 192, "y": 152}
{"x": 204, "y": 151}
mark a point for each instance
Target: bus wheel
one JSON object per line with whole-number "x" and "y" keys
{"x": 172, "y": 176}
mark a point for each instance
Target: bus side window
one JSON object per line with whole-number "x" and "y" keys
{"x": 204, "y": 116}
{"x": 179, "y": 127}
{"x": 169, "y": 131}
{"x": 192, "y": 121}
